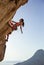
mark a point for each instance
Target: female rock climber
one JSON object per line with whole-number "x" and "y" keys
{"x": 14, "y": 25}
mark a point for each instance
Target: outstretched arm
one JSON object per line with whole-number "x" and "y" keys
{"x": 13, "y": 21}
{"x": 21, "y": 29}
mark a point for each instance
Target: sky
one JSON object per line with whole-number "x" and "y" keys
{"x": 21, "y": 47}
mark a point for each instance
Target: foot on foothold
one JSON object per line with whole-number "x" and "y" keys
{"x": 6, "y": 40}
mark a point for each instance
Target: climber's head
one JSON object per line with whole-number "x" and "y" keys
{"x": 21, "y": 21}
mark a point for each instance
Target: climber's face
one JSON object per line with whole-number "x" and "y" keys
{"x": 22, "y": 22}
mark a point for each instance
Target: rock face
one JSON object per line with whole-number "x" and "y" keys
{"x": 8, "y": 9}
{"x": 37, "y": 59}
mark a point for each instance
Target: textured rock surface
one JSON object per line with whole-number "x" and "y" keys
{"x": 8, "y": 9}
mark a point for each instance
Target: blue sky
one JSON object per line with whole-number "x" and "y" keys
{"x": 20, "y": 47}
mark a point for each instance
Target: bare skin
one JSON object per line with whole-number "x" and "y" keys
{"x": 14, "y": 26}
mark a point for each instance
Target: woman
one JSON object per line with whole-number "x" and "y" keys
{"x": 15, "y": 25}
